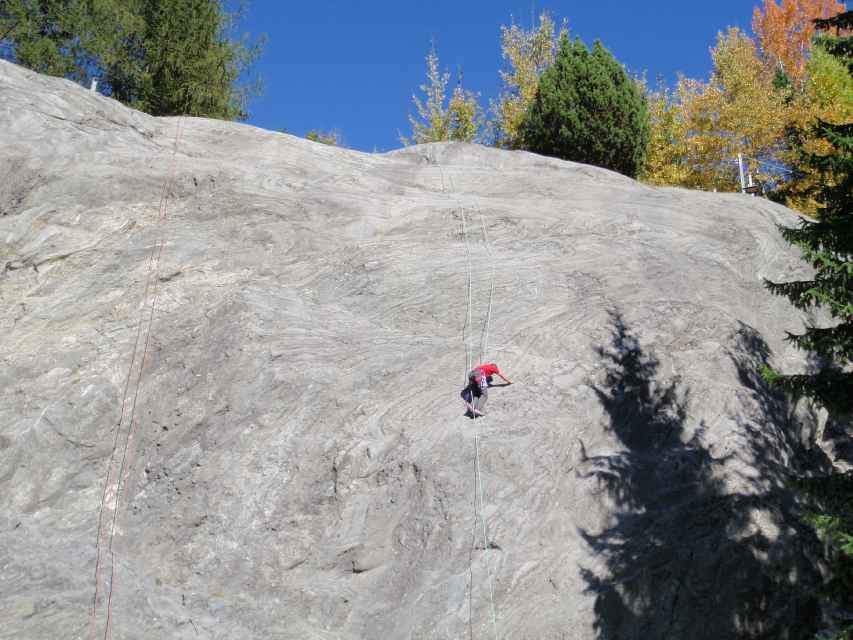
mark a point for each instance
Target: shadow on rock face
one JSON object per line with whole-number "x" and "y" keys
{"x": 688, "y": 555}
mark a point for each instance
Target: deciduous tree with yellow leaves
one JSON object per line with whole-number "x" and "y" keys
{"x": 528, "y": 53}
{"x": 762, "y": 100}
{"x": 459, "y": 119}
{"x": 667, "y": 160}
{"x": 698, "y": 130}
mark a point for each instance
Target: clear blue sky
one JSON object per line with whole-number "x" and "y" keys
{"x": 353, "y": 66}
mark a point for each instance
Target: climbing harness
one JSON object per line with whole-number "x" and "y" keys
{"x": 118, "y": 472}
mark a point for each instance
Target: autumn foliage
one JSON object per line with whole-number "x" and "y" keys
{"x": 439, "y": 119}
{"x": 699, "y": 129}
{"x": 762, "y": 99}
{"x": 785, "y": 31}
{"x": 528, "y": 53}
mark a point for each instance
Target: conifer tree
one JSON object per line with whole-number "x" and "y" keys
{"x": 840, "y": 44}
{"x": 166, "y": 57}
{"x": 588, "y": 109}
{"x": 827, "y": 244}
{"x": 192, "y": 67}
{"x": 49, "y": 36}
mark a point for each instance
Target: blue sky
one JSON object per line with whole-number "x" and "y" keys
{"x": 353, "y": 66}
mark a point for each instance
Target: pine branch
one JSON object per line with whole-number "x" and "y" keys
{"x": 831, "y": 387}
{"x": 834, "y": 343}
{"x": 841, "y": 21}
{"x": 799, "y": 293}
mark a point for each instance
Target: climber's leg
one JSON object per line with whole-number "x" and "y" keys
{"x": 481, "y": 401}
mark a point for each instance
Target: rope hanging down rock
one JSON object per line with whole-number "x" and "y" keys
{"x": 486, "y": 545}
{"x": 466, "y": 331}
{"x": 479, "y": 500}
{"x": 484, "y": 336}
{"x": 116, "y": 478}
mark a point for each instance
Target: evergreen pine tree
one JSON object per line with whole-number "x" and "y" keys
{"x": 48, "y": 36}
{"x": 839, "y": 46}
{"x": 827, "y": 244}
{"x": 587, "y": 109}
{"x": 192, "y": 67}
{"x": 166, "y": 57}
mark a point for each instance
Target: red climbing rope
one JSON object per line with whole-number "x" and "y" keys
{"x": 119, "y": 476}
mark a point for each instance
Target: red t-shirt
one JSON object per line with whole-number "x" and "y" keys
{"x": 488, "y": 369}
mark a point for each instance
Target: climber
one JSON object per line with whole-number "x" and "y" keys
{"x": 476, "y": 392}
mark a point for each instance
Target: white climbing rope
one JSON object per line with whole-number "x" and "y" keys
{"x": 479, "y": 500}
{"x": 484, "y": 336}
{"x": 466, "y": 331}
{"x": 486, "y": 547}
{"x": 478, "y": 480}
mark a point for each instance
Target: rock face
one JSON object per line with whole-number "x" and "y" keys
{"x": 231, "y": 362}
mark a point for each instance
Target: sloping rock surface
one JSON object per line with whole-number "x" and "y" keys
{"x": 231, "y": 362}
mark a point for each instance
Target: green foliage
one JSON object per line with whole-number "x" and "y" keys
{"x": 834, "y": 523}
{"x": 166, "y": 57}
{"x": 331, "y": 138}
{"x": 190, "y": 66}
{"x": 839, "y": 46}
{"x": 826, "y": 93}
{"x": 459, "y": 120}
{"x": 587, "y": 109}
{"x": 465, "y": 115}
{"x": 49, "y": 36}
{"x": 827, "y": 245}
{"x": 830, "y": 84}
{"x": 528, "y": 53}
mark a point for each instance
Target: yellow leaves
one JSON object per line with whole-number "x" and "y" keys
{"x": 698, "y": 131}
{"x": 464, "y": 115}
{"x": 666, "y": 160}
{"x": 741, "y": 105}
{"x": 747, "y": 106}
{"x": 433, "y": 125}
{"x": 435, "y": 122}
{"x": 528, "y": 53}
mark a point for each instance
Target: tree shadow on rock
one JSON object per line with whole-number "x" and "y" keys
{"x": 781, "y": 431}
{"x": 684, "y": 556}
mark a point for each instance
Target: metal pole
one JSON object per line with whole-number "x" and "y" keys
{"x": 740, "y": 169}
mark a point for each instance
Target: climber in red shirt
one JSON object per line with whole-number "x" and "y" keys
{"x": 490, "y": 369}
{"x": 476, "y": 392}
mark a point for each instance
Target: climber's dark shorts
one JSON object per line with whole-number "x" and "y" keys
{"x": 473, "y": 394}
